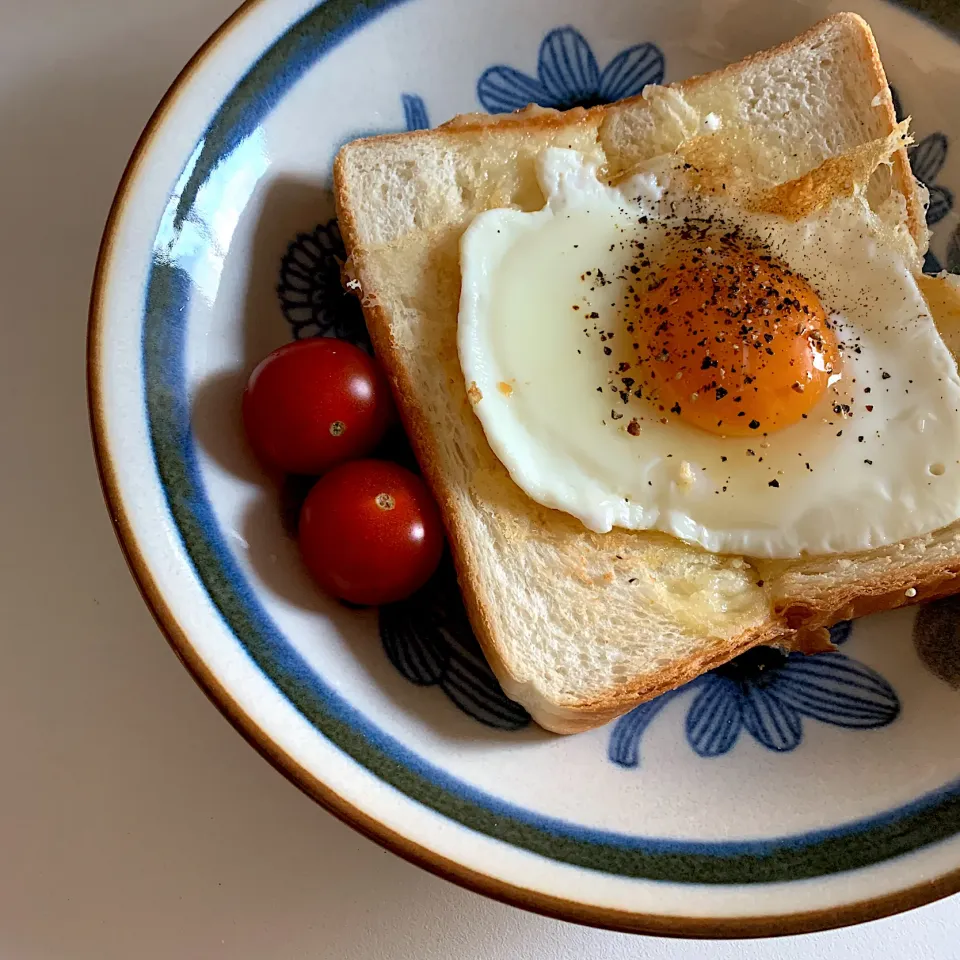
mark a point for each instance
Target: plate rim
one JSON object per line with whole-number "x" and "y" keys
{"x": 347, "y": 812}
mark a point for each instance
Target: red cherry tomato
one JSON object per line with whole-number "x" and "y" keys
{"x": 315, "y": 403}
{"x": 370, "y": 532}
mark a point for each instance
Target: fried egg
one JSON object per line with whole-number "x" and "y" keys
{"x": 656, "y": 357}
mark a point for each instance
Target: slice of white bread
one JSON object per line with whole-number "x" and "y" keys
{"x": 581, "y": 627}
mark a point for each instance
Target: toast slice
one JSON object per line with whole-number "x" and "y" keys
{"x": 580, "y": 627}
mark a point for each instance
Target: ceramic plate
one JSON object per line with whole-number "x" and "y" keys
{"x": 776, "y": 794}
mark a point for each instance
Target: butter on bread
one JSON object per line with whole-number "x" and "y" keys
{"x": 580, "y": 627}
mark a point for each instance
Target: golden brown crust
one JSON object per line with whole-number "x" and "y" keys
{"x": 791, "y": 625}
{"x": 795, "y": 626}
{"x": 531, "y": 118}
{"x": 903, "y": 179}
{"x": 835, "y": 177}
{"x": 579, "y": 717}
{"x": 535, "y": 118}
{"x": 415, "y": 425}
{"x": 920, "y": 584}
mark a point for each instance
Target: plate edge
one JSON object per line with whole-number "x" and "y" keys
{"x": 532, "y": 900}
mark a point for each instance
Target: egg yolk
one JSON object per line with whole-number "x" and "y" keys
{"x": 732, "y": 341}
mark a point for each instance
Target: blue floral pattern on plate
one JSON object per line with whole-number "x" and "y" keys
{"x": 414, "y": 112}
{"x": 568, "y": 75}
{"x": 311, "y": 294}
{"x": 768, "y": 692}
{"x": 429, "y": 640}
{"x": 312, "y": 297}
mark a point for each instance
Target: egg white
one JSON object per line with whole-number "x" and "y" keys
{"x": 537, "y": 375}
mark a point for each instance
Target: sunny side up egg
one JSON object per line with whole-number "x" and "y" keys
{"x": 654, "y": 358}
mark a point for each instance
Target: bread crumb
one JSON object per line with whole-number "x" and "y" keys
{"x": 504, "y": 388}
{"x": 474, "y": 392}
{"x": 686, "y": 474}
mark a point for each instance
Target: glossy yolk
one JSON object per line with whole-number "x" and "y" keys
{"x": 732, "y": 341}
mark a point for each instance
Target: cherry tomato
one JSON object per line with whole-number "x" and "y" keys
{"x": 370, "y": 533}
{"x": 315, "y": 403}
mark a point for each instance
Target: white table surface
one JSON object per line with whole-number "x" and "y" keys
{"x": 134, "y": 822}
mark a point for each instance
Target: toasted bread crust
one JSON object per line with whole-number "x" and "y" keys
{"x": 791, "y": 624}
{"x": 903, "y": 177}
{"x": 796, "y": 623}
{"x": 418, "y": 433}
